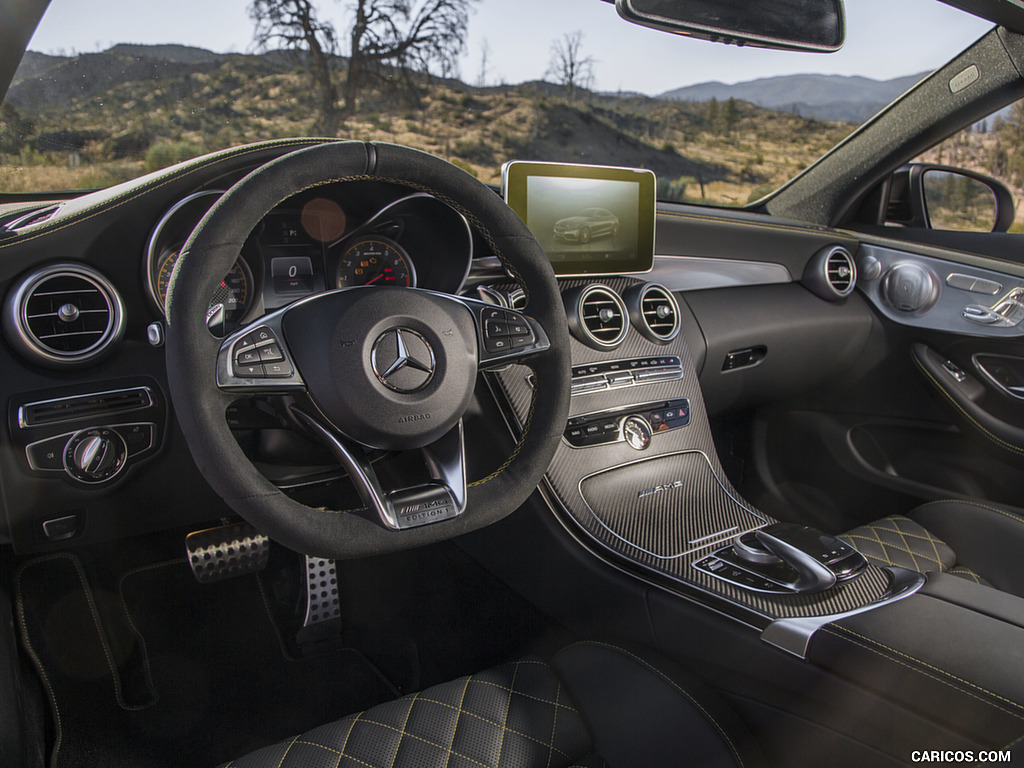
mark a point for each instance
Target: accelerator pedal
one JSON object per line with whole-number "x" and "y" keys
{"x": 321, "y": 625}
{"x": 221, "y": 553}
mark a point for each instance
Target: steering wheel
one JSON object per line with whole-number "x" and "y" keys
{"x": 367, "y": 367}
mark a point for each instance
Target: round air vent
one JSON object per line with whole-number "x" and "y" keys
{"x": 653, "y": 311}
{"x": 63, "y": 315}
{"x": 831, "y": 273}
{"x": 597, "y": 316}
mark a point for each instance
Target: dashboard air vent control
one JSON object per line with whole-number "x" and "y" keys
{"x": 597, "y": 316}
{"x": 831, "y": 273}
{"x": 63, "y": 315}
{"x": 654, "y": 312}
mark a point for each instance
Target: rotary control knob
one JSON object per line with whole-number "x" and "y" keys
{"x": 95, "y": 455}
{"x": 637, "y": 432}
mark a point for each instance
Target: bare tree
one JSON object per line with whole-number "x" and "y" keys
{"x": 485, "y": 51}
{"x": 389, "y": 42}
{"x": 569, "y": 67}
{"x": 293, "y": 25}
{"x": 391, "y": 39}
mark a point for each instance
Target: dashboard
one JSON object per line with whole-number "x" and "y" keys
{"x": 90, "y": 439}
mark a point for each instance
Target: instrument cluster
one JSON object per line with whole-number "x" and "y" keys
{"x": 338, "y": 236}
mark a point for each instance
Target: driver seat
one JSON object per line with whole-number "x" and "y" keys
{"x": 592, "y": 706}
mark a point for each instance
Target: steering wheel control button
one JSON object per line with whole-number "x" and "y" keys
{"x": 501, "y": 344}
{"x": 402, "y": 360}
{"x": 280, "y": 370}
{"x": 270, "y": 352}
{"x": 247, "y": 357}
{"x": 95, "y": 455}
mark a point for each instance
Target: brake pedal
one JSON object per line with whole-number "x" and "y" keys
{"x": 227, "y": 551}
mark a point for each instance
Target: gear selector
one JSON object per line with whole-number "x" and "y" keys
{"x": 783, "y": 557}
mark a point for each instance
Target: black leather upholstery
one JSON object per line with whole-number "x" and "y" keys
{"x": 592, "y": 698}
{"x": 975, "y": 540}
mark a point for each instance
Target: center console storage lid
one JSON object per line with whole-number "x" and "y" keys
{"x": 953, "y": 652}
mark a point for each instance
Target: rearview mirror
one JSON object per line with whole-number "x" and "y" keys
{"x": 801, "y": 25}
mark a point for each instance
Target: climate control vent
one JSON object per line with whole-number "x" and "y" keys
{"x": 654, "y": 312}
{"x": 831, "y": 273}
{"x": 63, "y": 315}
{"x": 597, "y": 316}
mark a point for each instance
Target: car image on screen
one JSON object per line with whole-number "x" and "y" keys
{"x": 588, "y": 224}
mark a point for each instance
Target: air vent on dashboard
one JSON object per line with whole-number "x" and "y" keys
{"x": 38, "y": 216}
{"x": 597, "y": 316}
{"x": 831, "y": 273}
{"x": 654, "y": 312}
{"x": 63, "y": 315}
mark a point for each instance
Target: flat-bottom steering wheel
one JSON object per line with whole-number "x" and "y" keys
{"x": 367, "y": 367}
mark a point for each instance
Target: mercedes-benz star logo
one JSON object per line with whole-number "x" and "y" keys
{"x": 402, "y": 360}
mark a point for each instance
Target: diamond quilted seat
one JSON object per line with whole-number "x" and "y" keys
{"x": 592, "y": 706}
{"x": 975, "y": 540}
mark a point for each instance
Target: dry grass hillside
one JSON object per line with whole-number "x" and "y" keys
{"x": 136, "y": 114}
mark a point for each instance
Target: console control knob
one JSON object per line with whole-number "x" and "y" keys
{"x": 637, "y": 432}
{"x": 95, "y": 455}
{"x": 750, "y": 549}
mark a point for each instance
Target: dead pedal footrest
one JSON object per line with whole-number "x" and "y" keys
{"x": 227, "y": 551}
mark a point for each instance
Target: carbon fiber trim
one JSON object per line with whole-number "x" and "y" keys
{"x": 657, "y": 506}
{"x": 625, "y": 529}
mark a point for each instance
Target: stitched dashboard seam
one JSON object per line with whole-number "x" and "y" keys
{"x": 853, "y": 637}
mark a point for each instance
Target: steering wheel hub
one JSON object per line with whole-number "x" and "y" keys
{"x": 390, "y": 367}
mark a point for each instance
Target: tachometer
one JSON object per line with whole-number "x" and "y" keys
{"x": 232, "y": 294}
{"x": 374, "y": 260}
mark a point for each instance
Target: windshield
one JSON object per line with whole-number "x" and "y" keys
{"x": 115, "y": 89}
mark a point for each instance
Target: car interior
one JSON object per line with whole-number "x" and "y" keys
{"x": 548, "y": 472}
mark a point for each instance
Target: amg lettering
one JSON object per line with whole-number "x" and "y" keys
{"x": 659, "y": 489}
{"x": 413, "y": 417}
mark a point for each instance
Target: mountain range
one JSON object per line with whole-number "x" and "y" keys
{"x": 825, "y": 97}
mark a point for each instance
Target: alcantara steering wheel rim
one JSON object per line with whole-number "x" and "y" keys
{"x": 200, "y": 398}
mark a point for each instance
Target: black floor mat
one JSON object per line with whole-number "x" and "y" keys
{"x": 202, "y": 678}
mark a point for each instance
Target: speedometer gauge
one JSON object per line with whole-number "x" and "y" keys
{"x": 232, "y": 294}
{"x": 374, "y": 260}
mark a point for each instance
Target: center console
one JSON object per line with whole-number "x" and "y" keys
{"x": 637, "y": 475}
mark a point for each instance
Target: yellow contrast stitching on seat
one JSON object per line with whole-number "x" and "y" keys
{"x": 287, "y": 750}
{"x": 887, "y": 546}
{"x": 405, "y": 722}
{"x": 501, "y": 687}
{"x": 418, "y": 738}
{"x": 554, "y": 726}
{"x": 929, "y": 666}
{"x": 508, "y": 708}
{"x": 332, "y": 749}
{"x": 495, "y": 723}
{"x": 451, "y": 744}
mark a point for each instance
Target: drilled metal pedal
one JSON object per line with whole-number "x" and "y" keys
{"x": 230, "y": 550}
{"x": 322, "y": 603}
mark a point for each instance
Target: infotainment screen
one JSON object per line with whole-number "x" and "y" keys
{"x": 590, "y": 220}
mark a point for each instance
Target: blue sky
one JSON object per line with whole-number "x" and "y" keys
{"x": 519, "y": 35}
